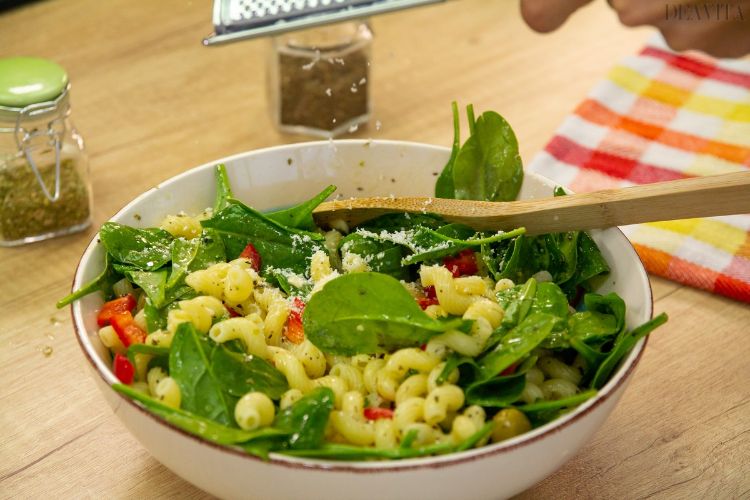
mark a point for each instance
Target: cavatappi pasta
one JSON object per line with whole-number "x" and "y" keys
{"x": 405, "y": 382}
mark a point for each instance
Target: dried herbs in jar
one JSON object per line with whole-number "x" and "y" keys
{"x": 319, "y": 80}
{"x": 44, "y": 186}
{"x": 27, "y": 212}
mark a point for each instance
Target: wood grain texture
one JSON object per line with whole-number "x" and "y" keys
{"x": 681, "y": 199}
{"x": 152, "y": 102}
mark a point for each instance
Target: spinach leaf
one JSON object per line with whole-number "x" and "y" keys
{"x": 444, "y": 187}
{"x": 549, "y": 298}
{"x": 426, "y": 243}
{"x": 102, "y": 283}
{"x": 279, "y": 246}
{"x": 555, "y": 404}
{"x": 153, "y": 350}
{"x": 368, "y": 313}
{"x": 562, "y": 249}
{"x": 223, "y": 188}
{"x": 402, "y": 222}
{"x": 488, "y": 166}
{"x": 590, "y": 264}
{"x": 198, "y": 425}
{"x": 591, "y": 355}
{"x": 195, "y": 254}
{"x": 611, "y": 304}
{"x": 430, "y": 245}
{"x": 156, "y": 319}
{"x": 201, "y": 388}
{"x": 381, "y": 256}
{"x": 509, "y": 260}
{"x": 300, "y": 216}
{"x": 464, "y": 364}
{"x": 497, "y": 392}
{"x": 153, "y": 283}
{"x": 517, "y": 302}
{"x": 350, "y": 452}
{"x": 622, "y": 347}
{"x": 591, "y": 325}
{"x": 530, "y": 298}
{"x": 517, "y": 343}
{"x": 239, "y": 374}
{"x": 146, "y": 249}
{"x": 306, "y": 419}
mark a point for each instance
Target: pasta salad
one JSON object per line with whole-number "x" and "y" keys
{"x": 405, "y": 336}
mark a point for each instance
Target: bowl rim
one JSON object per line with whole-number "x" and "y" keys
{"x": 620, "y": 377}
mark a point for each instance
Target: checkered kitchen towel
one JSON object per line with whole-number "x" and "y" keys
{"x": 660, "y": 116}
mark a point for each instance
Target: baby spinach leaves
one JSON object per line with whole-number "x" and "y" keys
{"x": 223, "y": 187}
{"x": 364, "y": 313}
{"x": 488, "y": 165}
{"x": 279, "y": 246}
{"x": 444, "y": 187}
{"x": 572, "y": 258}
{"x": 200, "y": 388}
{"x": 300, "y": 216}
{"x": 211, "y": 378}
{"x": 517, "y": 343}
{"x": 306, "y": 419}
{"x": 240, "y": 374}
{"x": 622, "y": 347}
{"x": 194, "y": 254}
{"x": 496, "y": 392}
{"x": 146, "y": 249}
{"x": 381, "y": 256}
{"x": 198, "y": 425}
{"x": 103, "y": 282}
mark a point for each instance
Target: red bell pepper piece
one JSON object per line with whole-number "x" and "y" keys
{"x": 116, "y": 306}
{"x": 429, "y": 299}
{"x": 377, "y": 413}
{"x": 124, "y": 369}
{"x": 425, "y": 302}
{"x": 510, "y": 370}
{"x": 251, "y": 254}
{"x": 232, "y": 312}
{"x": 462, "y": 264}
{"x": 295, "y": 332}
{"x": 127, "y": 330}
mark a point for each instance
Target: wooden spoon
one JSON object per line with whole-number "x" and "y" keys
{"x": 681, "y": 199}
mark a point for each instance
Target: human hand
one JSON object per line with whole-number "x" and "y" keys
{"x": 719, "y": 29}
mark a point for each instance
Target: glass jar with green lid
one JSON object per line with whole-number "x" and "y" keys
{"x": 44, "y": 177}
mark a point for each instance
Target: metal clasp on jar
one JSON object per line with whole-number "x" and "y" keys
{"x": 55, "y": 131}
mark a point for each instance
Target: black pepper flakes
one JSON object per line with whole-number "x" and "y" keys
{"x": 324, "y": 87}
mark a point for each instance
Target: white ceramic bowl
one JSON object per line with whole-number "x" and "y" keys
{"x": 284, "y": 175}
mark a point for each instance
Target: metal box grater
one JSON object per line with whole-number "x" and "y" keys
{"x": 241, "y": 19}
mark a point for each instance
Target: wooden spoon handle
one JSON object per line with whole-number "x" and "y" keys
{"x": 681, "y": 199}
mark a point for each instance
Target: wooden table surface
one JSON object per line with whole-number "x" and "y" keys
{"x": 151, "y": 102}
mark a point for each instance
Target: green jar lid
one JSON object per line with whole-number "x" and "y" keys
{"x": 30, "y": 80}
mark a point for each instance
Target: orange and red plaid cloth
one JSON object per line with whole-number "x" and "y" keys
{"x": 660, "y": 116}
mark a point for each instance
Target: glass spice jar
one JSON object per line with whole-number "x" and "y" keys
{"x": 319, "y": 79}
{"x": 44, "y": 176}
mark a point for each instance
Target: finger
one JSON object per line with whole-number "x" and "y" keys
{"x": 545, "y": 15}
{"x": 729, "y": 40}
{"x": 638, "y": 12}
